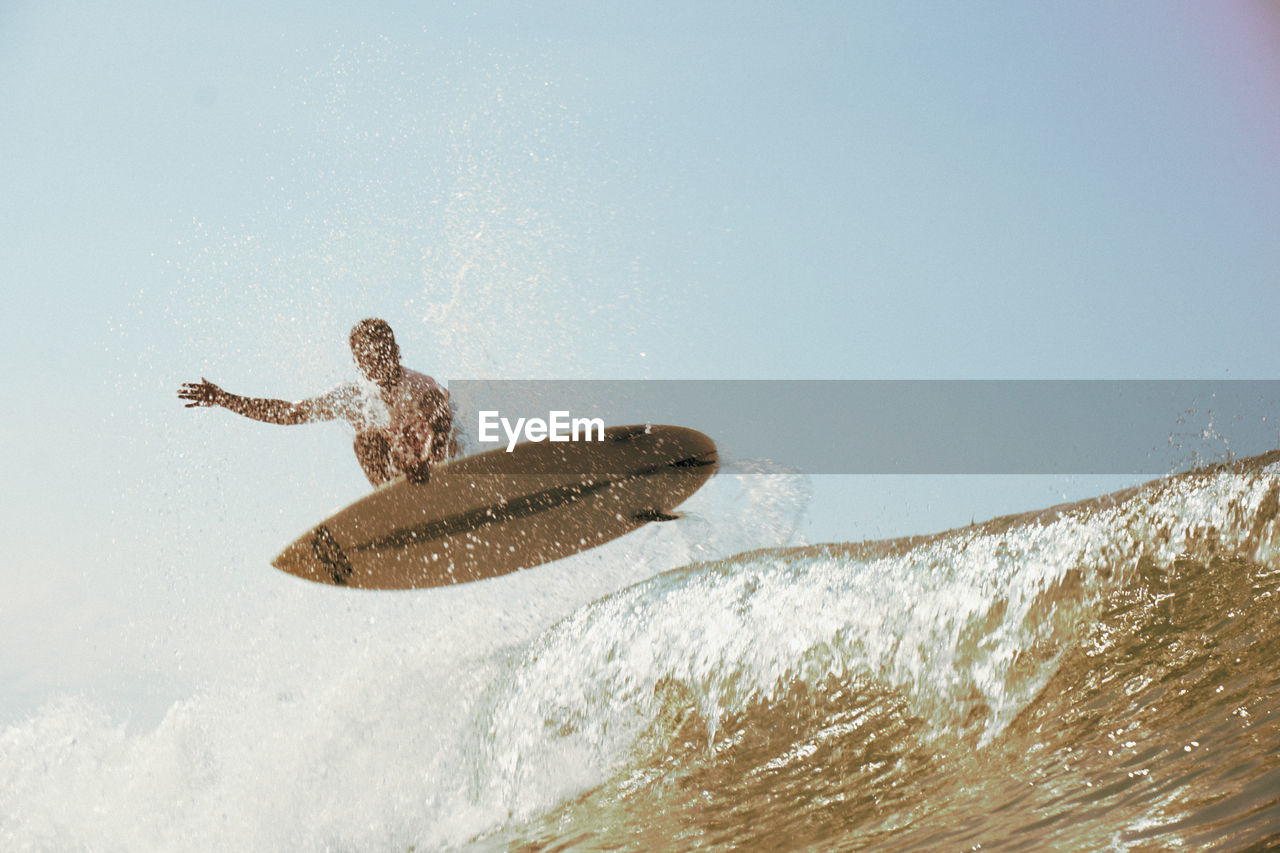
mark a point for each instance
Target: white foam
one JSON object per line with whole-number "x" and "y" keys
{"x": 323, "y": 719}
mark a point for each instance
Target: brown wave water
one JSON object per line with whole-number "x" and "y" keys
{"x": 1103, "y": 675}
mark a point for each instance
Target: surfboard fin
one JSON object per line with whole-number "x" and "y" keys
{"x": 656, "y": 515}
{"x": 696, "y": 461}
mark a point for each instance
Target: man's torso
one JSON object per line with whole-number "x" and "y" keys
{"x": 414, "y": 414}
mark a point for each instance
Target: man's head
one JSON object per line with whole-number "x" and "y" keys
{"x": 375, "y": 351}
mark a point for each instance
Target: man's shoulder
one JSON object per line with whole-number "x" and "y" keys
{"x": 419, "y": 381}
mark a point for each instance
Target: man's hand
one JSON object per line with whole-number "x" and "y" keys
{"x": 418, "y": 472}
{"x": 202, "y": 393}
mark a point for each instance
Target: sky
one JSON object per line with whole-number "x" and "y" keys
{"x": 578, "y": 190}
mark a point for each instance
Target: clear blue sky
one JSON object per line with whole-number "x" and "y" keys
{"x": 674, "y": 190}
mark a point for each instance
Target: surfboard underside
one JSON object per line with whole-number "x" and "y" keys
{"x": 481, "y": 517}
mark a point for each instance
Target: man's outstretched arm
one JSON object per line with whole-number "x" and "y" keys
{"x": 205, "y": 393}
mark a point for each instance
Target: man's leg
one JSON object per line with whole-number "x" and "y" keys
{"x": 374, "y": 453}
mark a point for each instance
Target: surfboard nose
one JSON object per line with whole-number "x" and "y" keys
{"x": 295, "y": 560}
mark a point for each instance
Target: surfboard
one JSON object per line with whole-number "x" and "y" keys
{"x": 497, "y": 512}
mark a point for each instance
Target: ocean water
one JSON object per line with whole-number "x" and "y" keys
{"x": 1101, "y": 675}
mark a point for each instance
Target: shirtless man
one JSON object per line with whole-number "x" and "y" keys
{"x": 402, "y": 418}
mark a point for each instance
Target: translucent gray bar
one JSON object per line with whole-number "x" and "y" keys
{"x": 919, "y": 426}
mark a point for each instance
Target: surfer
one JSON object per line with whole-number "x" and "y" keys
{"x": 402, "y": 418}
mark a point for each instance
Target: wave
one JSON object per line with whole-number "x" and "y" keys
{"x": 1046, "y": 678}
{"x": 888, "y": 658}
